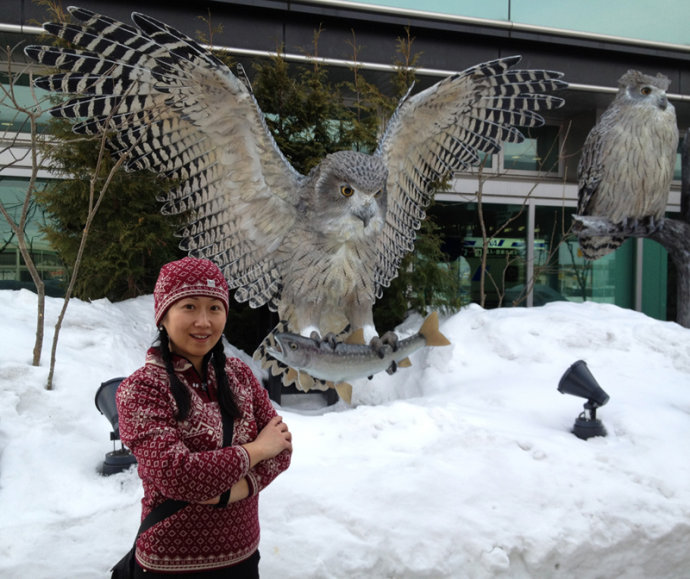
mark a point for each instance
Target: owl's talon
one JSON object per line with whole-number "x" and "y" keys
{"x": 378, "y": 344}
{"x": 330, "y": 339}
{"x": 391, "y": 339}
{"x": 654, "y": 224}
{"x": 630, "y": 223}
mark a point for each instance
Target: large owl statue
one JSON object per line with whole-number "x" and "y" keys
{"x": 627, "y": 162}
{"x": 317, "y": 248}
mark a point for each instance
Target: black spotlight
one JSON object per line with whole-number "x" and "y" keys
{"x": 578, "y": 381}
{"x": 119, "y": 459}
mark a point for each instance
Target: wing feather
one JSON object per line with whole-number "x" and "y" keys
{"x": 179, "y": 111}
{"x": 446, "y": 128}
{"x": 590, "y": 167}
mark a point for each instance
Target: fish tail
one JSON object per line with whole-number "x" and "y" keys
{"x": 430, "y": 332}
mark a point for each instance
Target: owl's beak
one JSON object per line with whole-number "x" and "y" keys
{"x": 663, "y": 102}
{"x": 365, "y": 212}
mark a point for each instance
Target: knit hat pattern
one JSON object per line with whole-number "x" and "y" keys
{"x": 187, "y": 277}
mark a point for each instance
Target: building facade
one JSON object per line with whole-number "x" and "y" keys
{"x": 526, "y": 194}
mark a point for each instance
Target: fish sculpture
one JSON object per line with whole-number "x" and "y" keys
{"x": 338, "y": 363}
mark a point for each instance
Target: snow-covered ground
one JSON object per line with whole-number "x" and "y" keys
{"x": 462, "y": 466}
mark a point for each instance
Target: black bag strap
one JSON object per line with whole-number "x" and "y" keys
{"x": 163, "y": 511}
{"x": 228, "y": 425}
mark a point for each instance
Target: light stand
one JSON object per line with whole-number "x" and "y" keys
{"x": 578, "y": 381}
{"x": 119, "y": 459}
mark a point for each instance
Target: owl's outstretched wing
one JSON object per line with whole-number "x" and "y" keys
{"x": 444, "y": 129}
{"x": 179, "y": 111}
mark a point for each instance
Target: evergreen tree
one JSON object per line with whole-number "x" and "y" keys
{"x": 129, "y": 240}
{"x": 304, "y": 111}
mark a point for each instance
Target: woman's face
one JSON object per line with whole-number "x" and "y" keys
{"x": 194, "y": 325}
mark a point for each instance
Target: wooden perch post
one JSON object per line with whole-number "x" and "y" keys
{"x": 672, "y": 234}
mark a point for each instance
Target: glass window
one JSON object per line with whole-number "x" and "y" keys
{"x": 15, "y": 121}
{"x": 537, "y": 153}
{"x": 504, "y": 248}
{"x": 12, "y": 194}
{"x": 664, "y": 21}
{"x": 12, "y": 268}
{"x": 560, "y": 270}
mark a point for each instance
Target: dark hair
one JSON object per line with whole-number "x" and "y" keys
{"x": 226, "y": 397}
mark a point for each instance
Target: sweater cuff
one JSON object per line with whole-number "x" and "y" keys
{"x": 252, "y": 483}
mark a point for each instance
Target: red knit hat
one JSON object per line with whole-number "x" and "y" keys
{"x": 186, "y": 277}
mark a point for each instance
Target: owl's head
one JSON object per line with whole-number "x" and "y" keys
{"x": 351, "y": 187}
{"x": 638, "y": 88}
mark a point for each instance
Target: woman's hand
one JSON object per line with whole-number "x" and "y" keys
{"x": 273, "y": 439}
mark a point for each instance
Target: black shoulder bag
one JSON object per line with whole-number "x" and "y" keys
{"x": 124, "y": 568}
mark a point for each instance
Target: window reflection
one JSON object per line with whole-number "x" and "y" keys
{"x": 537, "y": 153}
{"x": 16, "y": 121}
{"x": 13, "y": 271}
{"x": 560, "y": 272}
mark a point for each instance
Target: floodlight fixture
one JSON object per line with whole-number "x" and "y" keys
{"x": 118, "y": 459}
{"x": 578, "y": 381}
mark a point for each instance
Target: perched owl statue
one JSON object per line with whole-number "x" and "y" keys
{"x": 627, "y": 162}
{"x": 316, "y": 248}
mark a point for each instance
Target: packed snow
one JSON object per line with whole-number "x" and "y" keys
{"x": 462, "y": 466}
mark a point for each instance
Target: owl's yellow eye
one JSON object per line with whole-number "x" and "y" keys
{"x": 645, "y": 90}
{"x": 346, "y": 190}
{"x": 378, "y": 193}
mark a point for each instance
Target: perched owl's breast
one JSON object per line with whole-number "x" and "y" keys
{"x": 637, "y": 166}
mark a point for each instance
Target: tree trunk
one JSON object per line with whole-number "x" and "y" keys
{"x": 674, "y": 235}
{"x": 683, "y": 267}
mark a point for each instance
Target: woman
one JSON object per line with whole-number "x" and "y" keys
{"x": 171, "y": 416}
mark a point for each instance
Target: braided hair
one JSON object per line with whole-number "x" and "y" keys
{"x": 226, "y": 397}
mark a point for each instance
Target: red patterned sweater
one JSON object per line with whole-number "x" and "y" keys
{"x": 187, "y": 461}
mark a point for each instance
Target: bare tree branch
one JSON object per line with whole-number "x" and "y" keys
{"x": 23, "y": 148}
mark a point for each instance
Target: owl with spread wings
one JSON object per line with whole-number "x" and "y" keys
{"x": 317, "y": 248}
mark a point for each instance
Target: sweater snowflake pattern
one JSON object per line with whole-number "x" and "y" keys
{"x": 187, "y": 461}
